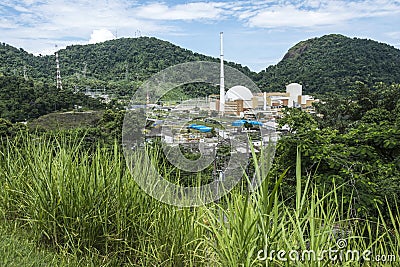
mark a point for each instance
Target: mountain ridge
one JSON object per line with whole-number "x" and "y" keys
{"x": 132, "y": 59}
{"x": 330, "y": 63}
{"x": 333, "y": 63}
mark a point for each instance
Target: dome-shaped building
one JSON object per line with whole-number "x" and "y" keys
{"x": 237, "y": 99}
{"x": 239, "y": 92}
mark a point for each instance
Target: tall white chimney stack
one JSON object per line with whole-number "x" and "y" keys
{"x": 222, "y": 79}
{"x": 265, "y": 100}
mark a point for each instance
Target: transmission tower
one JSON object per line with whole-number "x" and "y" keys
{"x": 59, "y": 84}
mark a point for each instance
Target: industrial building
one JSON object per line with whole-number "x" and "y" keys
{"x": 248, "y": 112}
{"x": 240, "y": 99}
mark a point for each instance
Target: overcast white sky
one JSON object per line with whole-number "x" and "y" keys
{"x": 256, "y": 33}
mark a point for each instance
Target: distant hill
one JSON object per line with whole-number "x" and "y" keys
{"x": 111, "y": 64}
{"x": 14, "y": 61}
{"x": 117, "y": 66}
{"x": 331, "y": 63}
{"x": 326, "y": 64}
{"x": 132, "y": 58}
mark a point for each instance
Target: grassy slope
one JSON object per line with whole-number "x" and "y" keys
{"x": 89, "y": 204}
{"x": 67, "y": 120}
{"x": 19, "y": 248}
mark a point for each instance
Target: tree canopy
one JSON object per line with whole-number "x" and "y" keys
{"x": 355, "y": 142}
{"x": 23, "y": 100}
{"x": 332, "y": 63}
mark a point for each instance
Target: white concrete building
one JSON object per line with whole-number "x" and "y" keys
{"x": 239, "y": 92}
{"x": 295, "y": 90}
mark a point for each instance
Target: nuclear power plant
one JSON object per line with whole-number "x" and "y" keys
{"x": 236, "y": 110}
{"x": 239, "y": 100}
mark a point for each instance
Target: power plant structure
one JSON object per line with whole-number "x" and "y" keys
{"x": 239, "y": 100}
{"x": 236, "y": 100}
{"x": 222, "y": 78}
{"x": 238, "y": 107}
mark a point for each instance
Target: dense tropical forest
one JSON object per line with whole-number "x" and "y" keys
{"x": 332, "y": 63}
{"x": 328, "y": 64}
{"x": 354, "y": 141}
{"x": 23, "y": 100}
{"x": 118, "y": 66}
{"x": 68, "y": 197}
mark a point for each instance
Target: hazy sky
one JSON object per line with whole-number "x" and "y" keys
{"x": 256, "y": 33}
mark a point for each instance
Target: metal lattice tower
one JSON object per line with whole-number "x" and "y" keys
{"x": 59, "y": 83}
{"x": 222, "y": 78}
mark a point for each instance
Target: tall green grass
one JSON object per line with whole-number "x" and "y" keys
{"x": 87, "y": 203}
{"x": 252, "y": 228}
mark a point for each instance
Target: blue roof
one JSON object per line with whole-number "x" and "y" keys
{"x": 205, "y": 129}
{"x": 255, "y": 122}
{"x": 241, "y": 122}
{"x": 201, "y": 128}
{"x": 238, "y": 123}
{"x": 191, "y": 125}
{"x": 198, "y": 126}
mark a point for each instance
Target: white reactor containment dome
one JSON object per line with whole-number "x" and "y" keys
{"x": 239, "y": 92}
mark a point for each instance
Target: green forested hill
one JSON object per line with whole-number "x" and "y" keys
{"x": 326, "y": 64}
{"x": 112, "y": 64}
{"x": 333, "y": 62}
{"x": 117, "y": 66}
{"x": 22, "y": 99}
{"x": 13, "y": 61}
{"x": 132, "y": 58}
